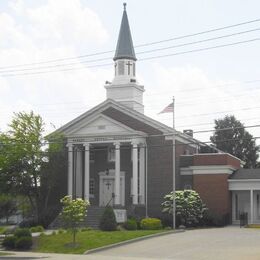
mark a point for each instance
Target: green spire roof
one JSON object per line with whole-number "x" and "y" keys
{"x": 125, "y": 48}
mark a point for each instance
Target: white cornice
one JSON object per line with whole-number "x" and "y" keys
{"x": 247, "y": 184}
{"x": 207, "y": 169}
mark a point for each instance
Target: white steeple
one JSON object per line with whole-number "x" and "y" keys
{"x": 124, "y": 87}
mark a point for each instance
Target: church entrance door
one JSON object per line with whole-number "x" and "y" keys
{"x": 107, "y": 192}
{"x": 107, "y": 188}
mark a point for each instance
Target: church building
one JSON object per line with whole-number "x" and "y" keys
{"x": 120, "y": 157}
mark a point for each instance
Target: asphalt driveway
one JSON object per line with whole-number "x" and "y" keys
{"x": 214, "y": 243}
{"x": 209, "y": 244}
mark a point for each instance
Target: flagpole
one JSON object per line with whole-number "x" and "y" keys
{"x": 173, "y": 167}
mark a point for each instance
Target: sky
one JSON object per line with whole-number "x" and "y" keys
{"x": 207, "y": 85}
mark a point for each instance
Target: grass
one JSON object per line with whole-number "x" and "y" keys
{"x": 3, "y": 253}
{"x": 2, "y": 229}
{"x": 87, "y": 240}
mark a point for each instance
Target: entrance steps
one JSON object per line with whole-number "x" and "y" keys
{"x": 94, "y": 214}
{"x": 92, "y": 220}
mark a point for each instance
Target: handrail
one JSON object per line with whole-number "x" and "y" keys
{"x": 112, "y": 197}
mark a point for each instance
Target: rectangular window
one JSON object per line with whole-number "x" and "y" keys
{"x": 111, "y": 155}
{"x": 121, "y": 67}
{"x": 134, "y": 69}
{"x": 91, "y": 156}
{"x": 91, "y": 188}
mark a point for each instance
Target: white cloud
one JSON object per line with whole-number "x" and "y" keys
{"x": 198, "y": 98}
{"x": 55, "y": 29}
{"x": 66, "y": 21}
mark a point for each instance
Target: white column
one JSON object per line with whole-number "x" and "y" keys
{"x": 251, "y": 206}
{"x": 86, "y": 172}
{"x": 78, "y": 172}
{"x": 117, "y": 174}
{"x": 142, "y": 174}
{"x": 135, "y": 173}
{"x": 70, "y": 169}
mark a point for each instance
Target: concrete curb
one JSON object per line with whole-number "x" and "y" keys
{"x": 95, "y": 250}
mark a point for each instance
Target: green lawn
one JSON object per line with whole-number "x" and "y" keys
{"x": 3, "y": 253}
{"x": 86, "y": 240}
{"x": 2, "y": 229}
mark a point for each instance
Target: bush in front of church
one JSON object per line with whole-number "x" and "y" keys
{"x": 130, "y": 224}
{"x": 108, "y": 220}
{"x": 151, "y": 224}
{"x": 190, "y": 209}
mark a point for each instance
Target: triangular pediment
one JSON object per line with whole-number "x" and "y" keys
{"x": 98, "y": 126}
{"x": 85, "y": 123}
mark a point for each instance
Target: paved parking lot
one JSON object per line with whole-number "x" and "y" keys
{"x": 211, "y": 244}
{"x": 215, "y": 243}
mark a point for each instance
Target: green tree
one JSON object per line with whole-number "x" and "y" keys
{"x": 53, "y": 184}
{"x": 7, "y": 206}
{"x": 25, "y": 161}
{"x": 189, "y": 207}
{"x": 235, "y": 140}
{"x": 73, "y": 214}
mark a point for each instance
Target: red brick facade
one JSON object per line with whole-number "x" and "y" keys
{"x": 213, "y": 190}
{"x": 210, "y": 173}
{"x": 216, "y": 159}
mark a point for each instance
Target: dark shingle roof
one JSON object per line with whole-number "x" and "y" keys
{"x": 125, "y": 48}
{"x": 242, "y": 174}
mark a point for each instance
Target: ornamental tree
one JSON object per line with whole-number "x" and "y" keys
{"x": 73, "y": 213}
{"x": 189, "y": 207}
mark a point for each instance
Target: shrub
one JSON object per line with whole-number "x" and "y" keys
{"x": 22, "y": 232}
{"x": 9, "y": 242}
{"x": 27, "y": 223}
{"x": 189, "y": 207}
{"x": 151, "y": 223}
{"x": 23, "y": 243}
{"x": 108, "y": 220}
{"x": 130, "y": 224}
{"x": 37, "y": 229}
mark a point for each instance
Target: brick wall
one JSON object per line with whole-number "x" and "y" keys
{"x": 213, "y": 190}
{"x": 216, "y": 159}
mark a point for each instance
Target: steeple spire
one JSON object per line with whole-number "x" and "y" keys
{"x": 124, "y": 88}
{"x": 125, "y": 48}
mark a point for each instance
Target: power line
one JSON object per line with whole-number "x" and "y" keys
{"x": 143, "y": 59}
{"x": 199, "y": 50}
{"x": 152, "y": 135}
{"x": 143, "y": 52}
{"x": 136, "y": 46}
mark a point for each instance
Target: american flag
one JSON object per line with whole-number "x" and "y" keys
{"x": 168, "y": 109}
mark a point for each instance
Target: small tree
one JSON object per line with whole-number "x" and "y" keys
{"x": 189, "y": 206}
{"x": 73, "y": 213}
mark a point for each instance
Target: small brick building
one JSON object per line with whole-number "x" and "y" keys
{"x": 118, "y": 156}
